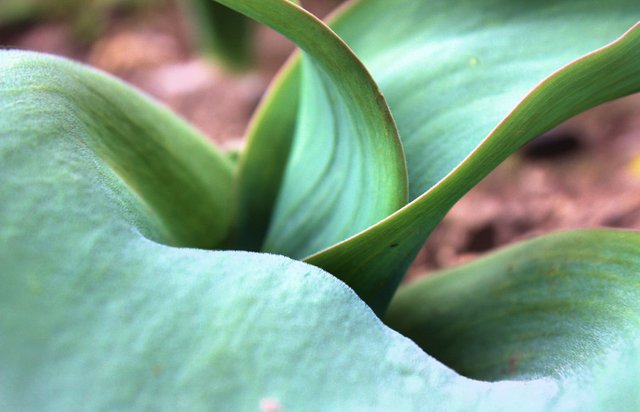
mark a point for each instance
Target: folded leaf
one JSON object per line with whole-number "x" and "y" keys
{"x": 451, "y": 72}
{"x": 95, "y": 316}
{"x": 346, "y": 167}
{"x": 181, "y": 183}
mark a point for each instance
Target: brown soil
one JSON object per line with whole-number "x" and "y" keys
{"x": 583, "y": 174}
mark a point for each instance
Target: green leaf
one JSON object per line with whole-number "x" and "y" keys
{"x": 262, "y": 162}
{"x": 97, "y": 312}
{"x": 181, "y": 184}
{"x": 18, "y": 11}
{"x": 564, "y": 306}
{"x": 95, "y": 315}
{"x": 221, "y": 33}
{"x": 467, "y": 85}
{"x": 346, "y": 168}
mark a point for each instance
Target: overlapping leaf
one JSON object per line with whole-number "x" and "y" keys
{"x": 96, "y": 314}
{"x": 346, "y": 167}
{"x": 452, "y": 73}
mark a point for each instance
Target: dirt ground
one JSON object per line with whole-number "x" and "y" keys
{"x": 585, "y": 173}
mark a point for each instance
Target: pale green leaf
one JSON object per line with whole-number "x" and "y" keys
{"x": 385, "y": 250}
{"x": 95, "y": 315}
{"x": 181, "y": 183}
{"x": 564, "y": 306}
{"x": 98, "y": 312}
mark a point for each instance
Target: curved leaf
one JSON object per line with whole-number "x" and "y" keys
{"x": 94, "y": 316}
{"x": 261, "y": 164}
{"x": 346, "y": 169}
{"x": 180, "y": 181}
{"x": 451, "y": 71}
{"x": 450, "y": 79}
{"x": 565, "y": 306}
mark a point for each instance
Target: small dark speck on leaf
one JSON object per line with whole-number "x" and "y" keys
{"x": 393, "y": 245}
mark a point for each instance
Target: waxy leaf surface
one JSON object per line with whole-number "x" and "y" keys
{"x": 99, "y": 314}
{"x": 468, "y": 83}
{"x": 104, "y": 306}
{"x": 344, "y": 125}
{"x": 563, "y": 306}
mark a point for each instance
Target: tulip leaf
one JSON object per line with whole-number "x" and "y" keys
{"x": 610, "y": 73}
{"x": 181, "y": 182}
{"x": 95, "y": 314}
{"x": 564, "y": 306}
{"x": 468, "y": 83}
{"x": 106, "y": 304}
{"x": 98, "y": 315}
{"x": 261, "y": 164}
{"x": 343, "y": 124}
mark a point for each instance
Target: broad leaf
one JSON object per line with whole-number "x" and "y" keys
{"x": 98, "y": 311}
{"x": 610, "y": 73}
{"x": 180, "y": 182}
{"x": 97, "y": 315}
{"x": 565, "y": 306}
{"x": 453, "y": 72}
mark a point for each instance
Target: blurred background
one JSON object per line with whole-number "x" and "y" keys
{"x": 585, "y": 173}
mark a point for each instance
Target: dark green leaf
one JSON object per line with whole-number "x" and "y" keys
{"x": 262, "y": 163}
{"x": 221, "y": 33}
